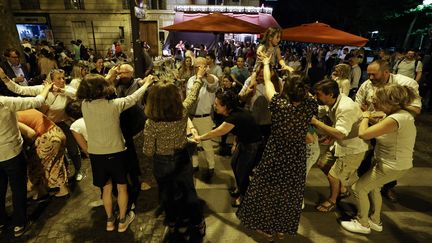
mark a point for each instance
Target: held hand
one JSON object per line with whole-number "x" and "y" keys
{"x": 196, "y": 137}
{"x": 19, "y": 79}
{"x": 148, "y": 80}
{"x": 201, "y": 71}
{"x": 233, "y": 148}
{"x": 326, "y": 140}
{"x": 265, "y": 59}
{"x": 314, "y": 121}
{"x": 366, "y": 114}
{"x": 287, "y": 68}
{"x": 48, "y": 86}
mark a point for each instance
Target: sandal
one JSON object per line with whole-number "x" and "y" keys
{"x": 345, "y": 194}
{"x": 235, "y": 203}
{"x": 234, "y": 192}
{"x": 268, "y": 237}
{"x": 325, "y": 209}
{"x": 280, "y": 236}
{"x": 201, "y": 228}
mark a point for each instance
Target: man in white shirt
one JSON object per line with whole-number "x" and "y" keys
{"x": 349, "y": 149}
{"x": 201, "y": 114}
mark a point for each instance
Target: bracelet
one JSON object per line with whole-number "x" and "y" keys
{"x": 367, "y": 117}
{"x": 5, "y": 77}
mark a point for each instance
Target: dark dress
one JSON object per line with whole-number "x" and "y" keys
{"x": 274, "y": 197}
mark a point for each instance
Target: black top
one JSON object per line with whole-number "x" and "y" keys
{"x": 102, "y": 72}
{"x": 245, "y": 128}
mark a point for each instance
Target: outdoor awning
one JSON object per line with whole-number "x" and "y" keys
{"x": 261, "y": 19}
{"x": 216, "y": 23}
{"x": 322, "y": 33}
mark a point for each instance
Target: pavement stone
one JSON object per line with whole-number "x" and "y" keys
{"x": 73, "y": 220}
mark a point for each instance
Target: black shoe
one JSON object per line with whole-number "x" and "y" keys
{"x": 234, "y": 192}
{"x": 390, "y": 194}
{"x": 208, "y": 175}
{"x": 201, "y": 228}
{"x": 235, "y": 203}
{"x": 195, "y": 169}
{"x": 224, "y": 151}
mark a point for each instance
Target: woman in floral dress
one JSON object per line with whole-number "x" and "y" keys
{"x": 273, "y": 201}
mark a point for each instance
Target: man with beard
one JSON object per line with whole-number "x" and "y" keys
{"x": 132, "y": 122}
{"x": 379, "y": 76}
{"x": 348, "y": 150}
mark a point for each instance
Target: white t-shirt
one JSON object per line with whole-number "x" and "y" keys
{"x": 395, "y": 150}
{"x": 79, "y": 126}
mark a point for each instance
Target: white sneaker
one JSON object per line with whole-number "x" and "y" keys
{"x": 79, "y": 176}
{"x": 122, "y": 227}
{"x": 96, "y": 203}
{"x": 374, "y": 226}
{"x": 355, "y": 226}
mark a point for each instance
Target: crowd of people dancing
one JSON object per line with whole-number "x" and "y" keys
{"x": 286, "y": 113}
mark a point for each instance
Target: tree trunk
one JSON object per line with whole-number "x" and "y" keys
{"x": 9, "y": 35}
{"x": 408, "y": 34}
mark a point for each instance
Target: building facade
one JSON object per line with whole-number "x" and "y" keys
{"x": 99, "y": 23}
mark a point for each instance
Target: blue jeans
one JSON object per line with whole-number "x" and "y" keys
{"x": 14, "y": 171}
{"x": 177, "y": 193}
{"x": 244, "y": 159}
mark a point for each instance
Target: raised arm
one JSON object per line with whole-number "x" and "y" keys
{"x": 192, "y": 95}
{"x": 130, "y": 100}
{"x": 269, "y": 87}
{"x": 18, "y": 89}
{"x": 24, "y": 103}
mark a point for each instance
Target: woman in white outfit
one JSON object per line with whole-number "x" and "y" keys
{"x": 395, "y": 136}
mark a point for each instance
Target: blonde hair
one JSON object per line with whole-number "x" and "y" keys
{"x": 395, "y": 97}
{"x": 344, "y": 70}
{"x": 51, "y": 74}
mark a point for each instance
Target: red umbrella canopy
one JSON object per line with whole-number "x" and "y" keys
{"x": 216, "y": 22}
{"x": 322, "y": 33}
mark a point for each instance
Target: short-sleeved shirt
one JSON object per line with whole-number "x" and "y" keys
{"x": 367, "y": 90}
{"x": 346, "y": 116}
{"x": 79, "y": 126}
{"x": 396, "y": 149}
{"x": 245, "y": 128}
{"x": 241, "y": 74}
{"x": 406, "y": 68}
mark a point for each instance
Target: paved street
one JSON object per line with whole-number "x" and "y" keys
{"x": 409, "y": 220}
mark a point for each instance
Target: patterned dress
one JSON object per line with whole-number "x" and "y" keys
{"x": 273, "y": 200}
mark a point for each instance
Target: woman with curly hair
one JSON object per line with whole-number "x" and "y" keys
{"x": 393, "y": 154}
{"x": 341, "y": 75}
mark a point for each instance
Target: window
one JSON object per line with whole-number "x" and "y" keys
{"x": 29, "y": 4}
{"x": 74, "y": 4}
{"x": 157, "y": 4}
{"x": 125, "y": 4}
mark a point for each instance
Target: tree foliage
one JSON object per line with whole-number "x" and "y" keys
{"x": 356, "y": 16}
